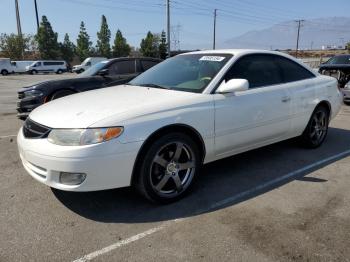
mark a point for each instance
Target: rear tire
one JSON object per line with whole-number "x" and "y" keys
{"x": 168, "y": 168}
{"x": 316, "y": 130}
{"x": 347, "y": 103}
{"x": 59, "y": 71}
{"x": 4, "y": 72}
{"x": 60, "y": 94}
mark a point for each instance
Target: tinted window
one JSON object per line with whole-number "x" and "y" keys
{"x": 122, "y": 67}
{"x": 53, "y": 63}
{"x": 147, "y": 64}
{"x": 259, "y": 70}
{"x": 291, "y": 71}
{"x": 339, "y": 60}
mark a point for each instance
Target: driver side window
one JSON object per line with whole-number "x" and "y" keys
{"x": 259, "y": 70}
{"x": 122, "y": 68}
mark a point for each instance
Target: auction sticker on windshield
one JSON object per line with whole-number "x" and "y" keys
{"x": 212, "y": 58}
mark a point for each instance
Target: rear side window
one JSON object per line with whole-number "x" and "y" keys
{"x": 291, "y": 71}
{"x": 259, "y": 70}
{"x": 147, "y": 64}
{"x": 53, "y": 63}
{"x": 339, "y": 60}
{"x": 122, "y": 68}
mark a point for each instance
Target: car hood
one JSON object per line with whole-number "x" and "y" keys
{"x": 56, "y": 82}
{"x": 120, "y": 102}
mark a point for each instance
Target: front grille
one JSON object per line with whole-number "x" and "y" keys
{"x": 32, "y": 129}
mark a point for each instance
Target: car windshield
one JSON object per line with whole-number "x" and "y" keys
{"x": 339, "y": 60}
{"x": 192, "y": 72}
{"x": 94, "y": 69}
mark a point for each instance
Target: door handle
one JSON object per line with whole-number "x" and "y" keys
{"x": 285, "y": 99}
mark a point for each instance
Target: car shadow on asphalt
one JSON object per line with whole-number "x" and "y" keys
{"x": 218, "y": 181}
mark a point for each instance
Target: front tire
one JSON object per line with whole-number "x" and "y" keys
{"x": 4, "y": 72}
{"x": 316, "y": 131}
{"x": 33, "y": 72}
{"x": 168, "y": 169}
{"x": 59, "y": 71}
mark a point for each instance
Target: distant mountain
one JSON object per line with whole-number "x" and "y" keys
{"x": 314, "y": 33}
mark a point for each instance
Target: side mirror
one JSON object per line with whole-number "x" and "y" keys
{"x": 103, "y": 72}
{"x": 233, "y": 85}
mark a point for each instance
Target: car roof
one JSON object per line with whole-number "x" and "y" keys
{"x": 133, "y": 58}
{"x": 235, "y": 52}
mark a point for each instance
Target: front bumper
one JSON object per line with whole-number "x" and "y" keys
{"x": 27, "y": 104}
{"x": 346, "y": 95}
{"x": 106, "y": 165}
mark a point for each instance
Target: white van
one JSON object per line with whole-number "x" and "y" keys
{"x": 47, "y": 66}
{"x": 5, "y": 66}
{"x": 20, "y": 66}
{"x": 88, "y": 62}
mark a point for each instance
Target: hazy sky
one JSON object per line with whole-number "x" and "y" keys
{"x": 194, "y": 17}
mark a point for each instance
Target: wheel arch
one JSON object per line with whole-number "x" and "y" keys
{"x": 327, "y": 105}
{"x": 181, "y": 128}
{"x": 48, "y": 97}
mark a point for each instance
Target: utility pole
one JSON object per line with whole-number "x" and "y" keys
{"x": 214, "y": 38}
{"x": 299, "y": 24}
{"x": 19, "y": 30}
{"x": 37, "y": 16}
{"x": 168, "y": 26}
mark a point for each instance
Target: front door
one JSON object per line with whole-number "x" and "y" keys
{"x": 258, "y": 116}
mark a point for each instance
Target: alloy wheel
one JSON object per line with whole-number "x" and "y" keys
{"x": 172, "y": 169}
{"x": 318, "y": 128}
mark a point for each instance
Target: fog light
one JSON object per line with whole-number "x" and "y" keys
{"x": 72, "y": 178}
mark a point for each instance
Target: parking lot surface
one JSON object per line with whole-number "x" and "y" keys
{"x": 277, "y": 203}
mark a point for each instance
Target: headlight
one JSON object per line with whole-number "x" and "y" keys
{"x": 80, "y": 137}
{"x": 32, "y": 93}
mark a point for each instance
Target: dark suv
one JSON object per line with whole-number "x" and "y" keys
{"x": 107, "y": 73}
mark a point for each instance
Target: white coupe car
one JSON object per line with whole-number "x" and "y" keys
{"x": 155, "y": 132}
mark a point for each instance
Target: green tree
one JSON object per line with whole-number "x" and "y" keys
{"x": 67, "y": 49}
{"x": 47, "y": 40}
{"x": 103, "y": 39}
{"x": 149, "y": 45}
{"x": 120, "y": 47}
{"x": 13, "y": 46}
{"x": 162, "y": 49}
{"x": 83, "y": 49}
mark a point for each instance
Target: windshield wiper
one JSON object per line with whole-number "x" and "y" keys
{"x": 154, "y": 86}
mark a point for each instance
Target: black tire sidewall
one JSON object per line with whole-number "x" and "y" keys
{"x": 306, "y": 140}
{"x": 4, "y": 72}
{"x": 143, "y": 180}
